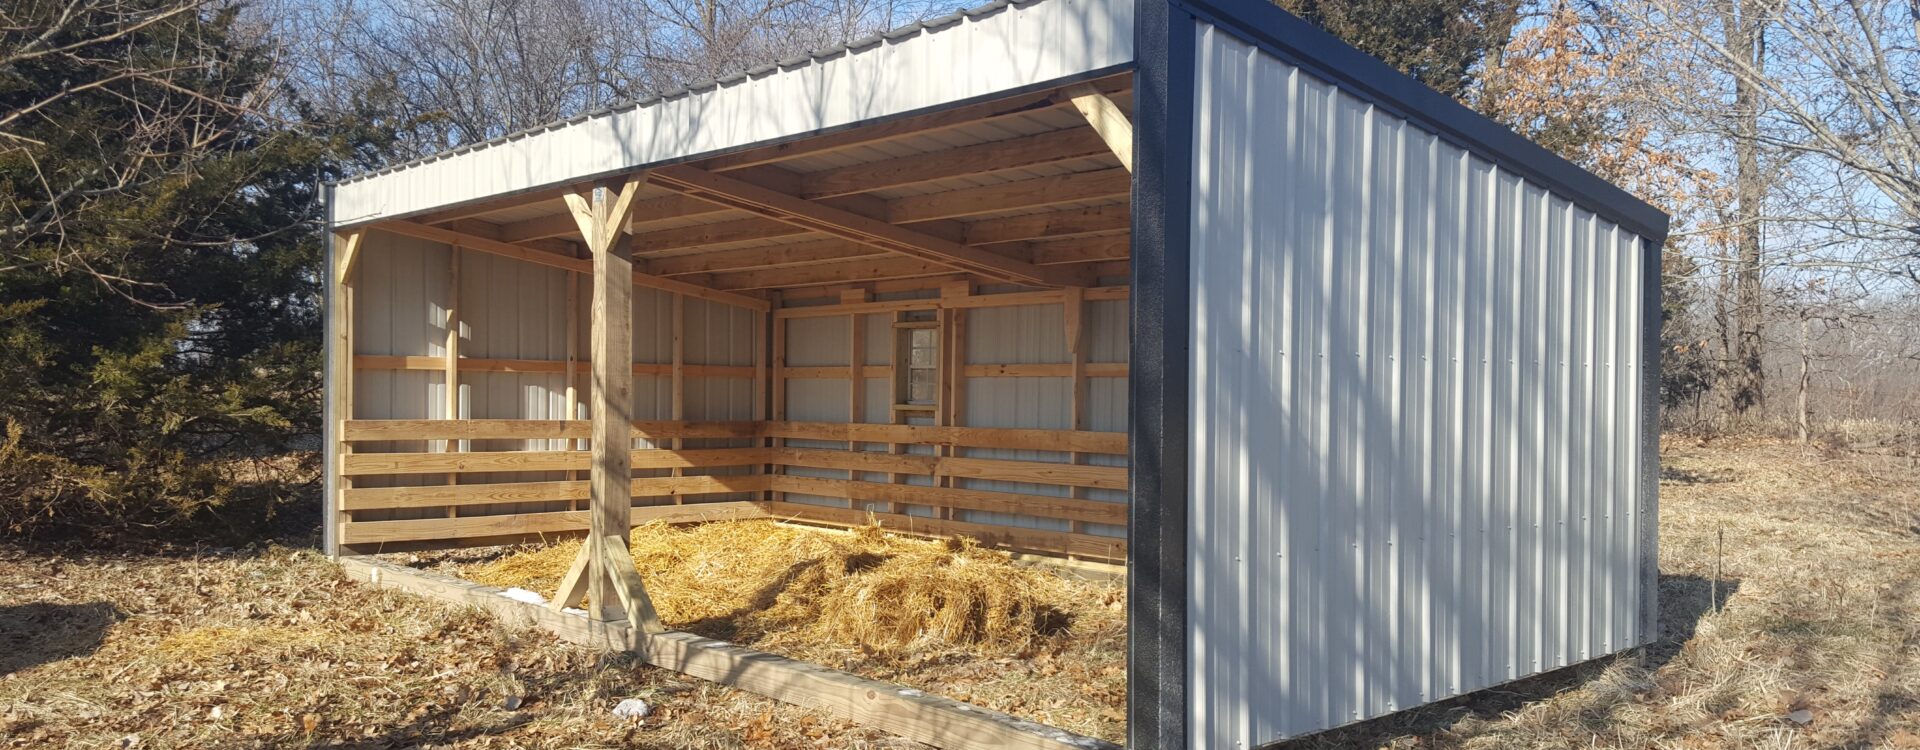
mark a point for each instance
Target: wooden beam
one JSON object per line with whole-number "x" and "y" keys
{"x": 993, "y": 156}
{"x": 1012, "y": 196}
{"x": 349, "y": 255}
{"x": 1014, "y": 106}
{"x": 649, "y": 210}
{"x": 1055, "y": 224}
{"x": 761, "y": 258}
{"x": 552, "y": 260}
{"x": 855, "y": 227}
{"x": 887, "y": 266}
{"x": 1106, "y": 119}
{"x": 1082, "y": 249}
{"x": 543, "y": 366}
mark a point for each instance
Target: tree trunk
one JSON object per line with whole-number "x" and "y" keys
{"x": 1746, "y": 39}
{"x": 1806, "y": 381}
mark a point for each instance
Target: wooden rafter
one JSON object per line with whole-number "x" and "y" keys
{"x": 1009, "y": 196}
{"x": 847, "y": 225}
{"x": 553, "y": 260}
{"x": 1106, "y": 119}
{"x": 886, "y": 266}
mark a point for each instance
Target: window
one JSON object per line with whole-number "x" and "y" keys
{"x": 920, "y": 363}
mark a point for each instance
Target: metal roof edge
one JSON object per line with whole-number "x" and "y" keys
{"x": 1326, "y": 57}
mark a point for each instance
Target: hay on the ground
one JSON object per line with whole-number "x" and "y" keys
{"x": 768, "y": 583}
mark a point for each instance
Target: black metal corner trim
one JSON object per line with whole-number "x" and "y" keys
{"x": 1323, "y": 55}
{"x": 1652, "y": 313}
{"x": 1158, "y": 387}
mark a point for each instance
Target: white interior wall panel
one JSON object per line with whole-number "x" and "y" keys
{"x": 1415, "y": 419}
{"x": 511, "y": 310}
{"x": 1028, "y": 43}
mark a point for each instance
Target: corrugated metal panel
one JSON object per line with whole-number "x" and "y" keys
{"x": 1415, "y": 421}
{"x": 1026, "y": 44}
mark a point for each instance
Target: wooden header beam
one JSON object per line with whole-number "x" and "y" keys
{"x": 552, "y": 260}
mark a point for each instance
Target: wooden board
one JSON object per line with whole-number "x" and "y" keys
{"x": 1066, "y": 508}
{"x": 365, "y": 464}
{"x": 556, "y": 522}
{"x": 915, "y": 715}
{"x": 529, "y": 492}
{"x": 1085, "y": 546}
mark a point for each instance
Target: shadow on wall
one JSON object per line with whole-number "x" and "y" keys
{"x": 42, "y": 633}
{"x": 1684, "y": 601}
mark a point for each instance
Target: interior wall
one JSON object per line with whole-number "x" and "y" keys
{"x": 508, "y": 310}
{"x": 1015, "y": 334}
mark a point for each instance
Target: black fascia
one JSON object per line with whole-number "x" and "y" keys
{"x": 1324, "y": 56}
{"x": 1161, "y": 315}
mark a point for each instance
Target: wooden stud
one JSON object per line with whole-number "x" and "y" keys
{"x": 452, "y": 352}
{"x": 679, "y": 381}
{"x": 1106, "y": 119}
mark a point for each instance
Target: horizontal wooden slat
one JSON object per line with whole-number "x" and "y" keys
{"x": 526, "y": 492}
{"x": 559, "y": 522}
{"x": 1092, "y": 370}
{"x": 1067, "y": 508}
{"x": 1084, "y": 546}
{"x": 854, "y": 460}
{"x": 364, "y": 464}
{"x": 543, "y": 366}
{"x": 535, "y": 429}
{"x": 1077, "y": 441}
{"x": 1037, "y": 472}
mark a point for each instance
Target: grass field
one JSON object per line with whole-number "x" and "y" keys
{"x": 1815, "y": 643}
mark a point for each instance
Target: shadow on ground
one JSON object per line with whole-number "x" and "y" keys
{"x": 1684, "y": 601}
{"x": 42, "y": 633}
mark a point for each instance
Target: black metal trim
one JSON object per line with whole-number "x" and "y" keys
{"x": 1324, "y": 56}
{"x": 1652, "y": 313}
{"x": 1161, "y": 315}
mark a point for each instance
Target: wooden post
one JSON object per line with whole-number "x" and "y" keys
{"x": 856, "y": 375}
{"x": 573, "y": 357}
{"x": 453, "y": 358}
{"x": 1074, "y": 310}
{"x": 346, "y": 253}
{"x": 953, "y": 363}
{"x": 611, "y": 581}
{"x": 679, "y": 378}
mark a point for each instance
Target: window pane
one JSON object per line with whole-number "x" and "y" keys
{"x": 920, "y": 385}
{"x": 918, "y": 357}
{"x": 923, "y": 338}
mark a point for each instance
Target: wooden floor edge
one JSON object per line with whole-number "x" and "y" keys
{"x": 915, "y": 715}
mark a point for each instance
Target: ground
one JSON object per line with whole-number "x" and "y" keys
{"x": 1815, "y": 642}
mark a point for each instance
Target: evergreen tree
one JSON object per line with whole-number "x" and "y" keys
{"x": 159, "y": 296}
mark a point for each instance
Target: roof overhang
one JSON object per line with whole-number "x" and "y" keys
{"x": 988, "y": 52}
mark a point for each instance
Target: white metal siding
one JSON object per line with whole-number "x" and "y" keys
{"x": 1415, "y": 421}
{"x": 1028, "y": 44}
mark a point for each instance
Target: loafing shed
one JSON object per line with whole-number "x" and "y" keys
{"x": 1358, "y": 386}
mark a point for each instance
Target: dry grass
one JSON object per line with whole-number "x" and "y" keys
{"x": 1818, "y": 611}
{"x": 942, "y": 616}
{"x": 275, "y": 648}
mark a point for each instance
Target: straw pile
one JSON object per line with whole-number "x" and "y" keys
{"x": 772, "y": 585}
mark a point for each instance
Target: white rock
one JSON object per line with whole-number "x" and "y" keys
{"x": 632, "y": 708}
{"x": 1802, "y": 717}
{"x": 523, "y": 595}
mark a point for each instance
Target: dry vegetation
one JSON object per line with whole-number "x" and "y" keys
{"x": 1817, "y": 643}
{"x": 1820, "y": 613}
{"x": 946, "y": 617}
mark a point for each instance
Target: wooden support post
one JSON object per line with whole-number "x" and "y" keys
{"x": 612, "y": 582}
{"x": 1106, "y": 119}
{"x": 346, "y": 252}
{"x": 856, "y": 375}
{"x": 679, "y": 388}
{"x": 779, "y": 388}
{"x": 953, "y": 362}
{"x": 452, "y": 347}
{"x": 761, "y": 383}
{"x": 573, "y": 357}
{"x": 1075, "y": 307}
